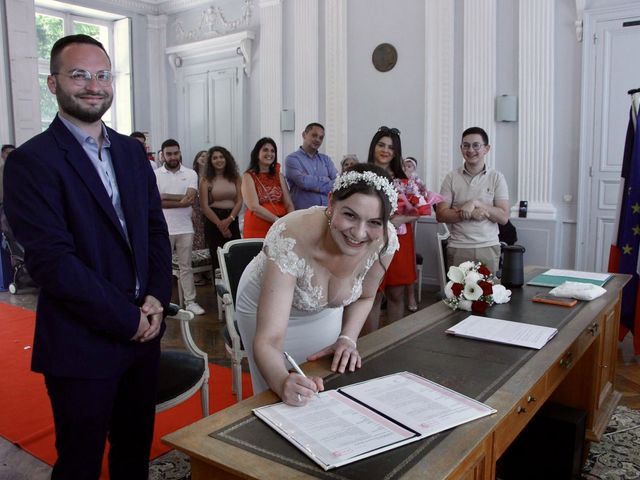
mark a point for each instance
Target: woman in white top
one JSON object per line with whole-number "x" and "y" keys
{"x": 311, "y": 288}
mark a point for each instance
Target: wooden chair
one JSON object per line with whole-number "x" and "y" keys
{"x": 182, "y": 372}
{"x": 234, "y": 257}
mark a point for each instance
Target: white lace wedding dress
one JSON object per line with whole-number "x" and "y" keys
{"x": 314, "y": 323}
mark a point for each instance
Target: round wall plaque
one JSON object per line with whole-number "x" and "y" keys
{"x": 384, "y": 57}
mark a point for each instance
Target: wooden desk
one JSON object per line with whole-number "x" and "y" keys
{"x": 577, "y": 368}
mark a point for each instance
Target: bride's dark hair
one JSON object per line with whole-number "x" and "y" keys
{"x": 369, "y": 189}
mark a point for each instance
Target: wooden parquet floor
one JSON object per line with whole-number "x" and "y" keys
{"x": 628, "y": 375}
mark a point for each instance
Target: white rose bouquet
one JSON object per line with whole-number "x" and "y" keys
{"x": 471, "y": 287}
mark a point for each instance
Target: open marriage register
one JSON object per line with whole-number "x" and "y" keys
{"x": 361, "y": 420}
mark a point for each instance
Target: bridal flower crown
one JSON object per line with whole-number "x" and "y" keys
{"x": 372, "y": 179}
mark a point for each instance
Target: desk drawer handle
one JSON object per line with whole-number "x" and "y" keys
{"x": 531, "y": 398}
{"x": 520, "y": 410}
{"x": 566, "y": 361}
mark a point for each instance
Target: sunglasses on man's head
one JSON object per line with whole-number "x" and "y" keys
{"x": 394, "y": 131}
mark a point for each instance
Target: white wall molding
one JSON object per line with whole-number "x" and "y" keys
{"x": 305, "y": 63}
{"x": 270, "y": 71}
{"x": 536, "y": 52}
{"x": 214, "y": 23}
{"x": 439, "y": 101}
{"x": 479, "y": 69}
{"x": 579, "y": 19}
{"x": 336, "y": 79}
{"x": 158, "y": 110}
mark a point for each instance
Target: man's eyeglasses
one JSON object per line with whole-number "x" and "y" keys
{"x": 384, "y": 129}
{"x": 475, "y": 145}
{"x": 81, "y": 77}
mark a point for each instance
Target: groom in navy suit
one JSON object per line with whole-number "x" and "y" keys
{"x": 82, "y": 200}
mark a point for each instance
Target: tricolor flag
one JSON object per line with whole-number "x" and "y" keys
{"x": 623, "y": 257}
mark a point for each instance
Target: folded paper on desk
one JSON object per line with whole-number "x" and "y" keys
{"x": 555, "y": 277}
{"x": 503, "y": 331}
{"x": 361, "y": 420}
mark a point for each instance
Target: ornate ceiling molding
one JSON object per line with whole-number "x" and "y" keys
{"x": 167, "y": 7}
{"x": 213, "y": 23}
{"x": 139, "y": 6}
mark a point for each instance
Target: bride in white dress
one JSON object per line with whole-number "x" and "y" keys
{"x": 311, "y": 288}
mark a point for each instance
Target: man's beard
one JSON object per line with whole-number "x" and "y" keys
{"x": 70, "y": 105}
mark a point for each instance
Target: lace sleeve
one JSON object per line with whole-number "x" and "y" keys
{"x": 280, "y": 249}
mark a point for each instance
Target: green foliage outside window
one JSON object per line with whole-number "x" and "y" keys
{"x": 88, "y": 29}
{"x": 48, "y": 30}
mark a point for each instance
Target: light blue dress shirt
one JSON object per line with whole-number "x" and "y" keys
{"x": 101, "y": 161}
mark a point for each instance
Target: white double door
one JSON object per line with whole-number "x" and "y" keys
{"x": 211, "y": 109}
{"x": 611, "y": 70}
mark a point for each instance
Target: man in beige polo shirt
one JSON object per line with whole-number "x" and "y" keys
{"x": 476, "y": 200}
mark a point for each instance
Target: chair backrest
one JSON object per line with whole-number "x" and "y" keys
{"x": 442, "y": 235}
{"x": 234, "y": 257}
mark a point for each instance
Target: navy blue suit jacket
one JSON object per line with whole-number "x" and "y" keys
{"x": 77, "y": 252}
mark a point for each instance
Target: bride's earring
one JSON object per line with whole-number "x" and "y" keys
{"x": 328, "y": 214}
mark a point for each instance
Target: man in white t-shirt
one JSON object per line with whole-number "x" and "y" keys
{"x": 178, "y": 187}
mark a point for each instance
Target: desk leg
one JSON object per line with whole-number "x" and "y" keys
{"x": 203, "y": 471}
{"x": 479, "y": 464}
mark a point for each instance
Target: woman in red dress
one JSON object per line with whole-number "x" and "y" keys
{"x": 386, "y": 151}
{"x": 264, "y": 190}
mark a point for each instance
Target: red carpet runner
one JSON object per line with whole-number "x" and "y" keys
{"x": 25, "y": 413}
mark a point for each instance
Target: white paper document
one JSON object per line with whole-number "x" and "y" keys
{"x": 503, "y": 331}
{"x": 342, "y": 426}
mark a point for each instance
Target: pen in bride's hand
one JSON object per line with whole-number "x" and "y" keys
{"x": 295, "y": 365}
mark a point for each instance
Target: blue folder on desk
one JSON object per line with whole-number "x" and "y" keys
{"x": 553, "y": 278}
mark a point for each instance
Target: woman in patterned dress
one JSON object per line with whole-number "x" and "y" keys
{"x": 264, "y": 190}
{"x": 385, "y": 151}
{"x": 199, "y": 165}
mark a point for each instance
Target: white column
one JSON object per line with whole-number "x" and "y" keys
{"x": 23, "y": 66}
{"x": 158, "y": 109}
{"x": 479, "y": 70}
{"x": 270, "y": 71}
{"x": 536, "y": 119}
{"x": 305, "y": 59}
{"x": 335, "y": 142}
{"x": 439, "y": 100}
{"x": 6, "y": 123}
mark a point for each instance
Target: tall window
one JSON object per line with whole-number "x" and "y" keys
{"x": 52, "y": 25}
